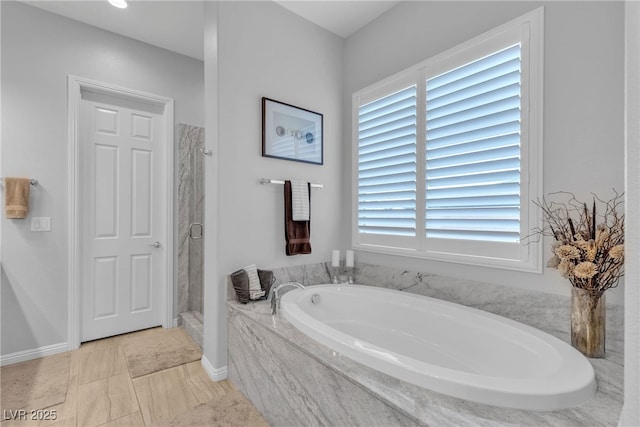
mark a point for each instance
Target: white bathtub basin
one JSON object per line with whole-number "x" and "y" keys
{"x": 445, "y": 347}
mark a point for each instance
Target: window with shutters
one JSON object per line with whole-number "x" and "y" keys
{"x": 387, "y": 165}
{"x": 447, "y": 154}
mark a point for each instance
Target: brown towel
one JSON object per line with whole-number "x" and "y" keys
{"x": 297, "y": 233}
{"x": 267, "y": 279}
{"x": 240, "y": 281}
{"x": 16, "y": 197}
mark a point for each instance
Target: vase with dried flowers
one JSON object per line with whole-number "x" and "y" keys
{"x": 588, "y": 250}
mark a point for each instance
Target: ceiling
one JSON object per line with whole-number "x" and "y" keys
{"x": 178, "y": 25}
{"x": 340, "y": 17}
{"x": 173, "y": 25}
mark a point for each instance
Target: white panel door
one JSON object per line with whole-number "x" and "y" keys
{"x": 121, "y": 167}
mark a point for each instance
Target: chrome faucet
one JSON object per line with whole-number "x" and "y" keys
{"x": 273, "y": 294}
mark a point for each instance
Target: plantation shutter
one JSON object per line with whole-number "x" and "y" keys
{"x": 473, "y": 150}
{"x": 387, "y": 165}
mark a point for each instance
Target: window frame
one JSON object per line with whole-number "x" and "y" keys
{"x": 528, "y": 31}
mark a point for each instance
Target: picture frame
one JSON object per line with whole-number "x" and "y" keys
{"x": 291, "y": 133}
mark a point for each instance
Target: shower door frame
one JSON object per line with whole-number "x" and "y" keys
{"x": 75, "y": 87}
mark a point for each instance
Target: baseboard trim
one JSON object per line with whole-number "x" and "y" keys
{"x": 35, "y": 353}
{"x": 216, "y": 374}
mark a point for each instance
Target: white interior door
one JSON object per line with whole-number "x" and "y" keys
{"x": 122, "y": 234}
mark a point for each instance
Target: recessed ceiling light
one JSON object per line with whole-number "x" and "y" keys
{"x": 120, "y": 4}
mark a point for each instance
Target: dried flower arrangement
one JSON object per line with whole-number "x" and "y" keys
{"x": 589, "y": 246}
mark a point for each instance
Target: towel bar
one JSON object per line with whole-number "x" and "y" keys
{"x": 32, "y": 181}
{"x": 279, "y": 181}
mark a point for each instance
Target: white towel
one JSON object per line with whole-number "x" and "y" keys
{"x": 255, "y": 290}
{"x": 299, "y": 201}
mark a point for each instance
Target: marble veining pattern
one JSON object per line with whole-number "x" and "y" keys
{"x": 259, "y": 341}
{"x": 193, "y": 324}
{"x": 301, "y": 390}
{"x": 541, "y": 310}
{"x": 190, "y": 178}
{"x": 305, "y": 274}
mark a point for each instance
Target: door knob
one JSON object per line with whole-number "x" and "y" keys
{"x": 155, "y": 244}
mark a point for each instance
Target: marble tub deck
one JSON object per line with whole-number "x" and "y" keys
{"x": 327, "y": 372}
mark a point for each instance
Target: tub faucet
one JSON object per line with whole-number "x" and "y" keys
{"x": 275, "y": 299}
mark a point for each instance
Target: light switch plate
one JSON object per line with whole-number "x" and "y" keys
{"x": 41, "y": 223}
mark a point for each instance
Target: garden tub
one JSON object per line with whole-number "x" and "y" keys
{"x": 442, "y": 346}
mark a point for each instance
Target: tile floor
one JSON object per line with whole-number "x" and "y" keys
{"x": 101, "y": 392}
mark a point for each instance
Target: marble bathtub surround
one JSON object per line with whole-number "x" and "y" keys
{"x": 190, "y": 176}
{"x": 541, "y": 310}
{"x": 308, "y": 274}
{"x": 310, "y": 384}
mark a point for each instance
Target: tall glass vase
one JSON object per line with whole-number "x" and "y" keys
{"x": 588, "y": 315}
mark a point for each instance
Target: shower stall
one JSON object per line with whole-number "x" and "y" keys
{"x": 190, "y": 176}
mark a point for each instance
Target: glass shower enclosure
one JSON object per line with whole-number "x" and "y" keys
{"x": 190, "y": 177}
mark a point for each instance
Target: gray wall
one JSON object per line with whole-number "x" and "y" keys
{"x": 215, "y": 324}
{"x": 265, "y": 50}
{"x": 39, "y": 50}
{"x": 583, "y": 100}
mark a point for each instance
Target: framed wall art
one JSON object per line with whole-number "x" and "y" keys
{"x": 291, "y": 133}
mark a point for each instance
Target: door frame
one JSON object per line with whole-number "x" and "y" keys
{"x": 74, "y": 302}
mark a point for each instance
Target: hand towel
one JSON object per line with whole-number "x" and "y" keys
{"x": 296, "y": 233}
{"x": 16, "y": 197}
{"x": 299, "y": 201}
{"x": 255, "y": 290}
{"x": 240, "y": 282}
{"x": 267, "y": 279}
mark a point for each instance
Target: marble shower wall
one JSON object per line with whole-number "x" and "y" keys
{"x": 190, "y": 210}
